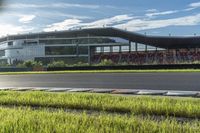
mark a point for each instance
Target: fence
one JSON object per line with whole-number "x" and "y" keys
{"x": 128, "y": 67}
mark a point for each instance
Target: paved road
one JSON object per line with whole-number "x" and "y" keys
{"x": 155, "y": 81}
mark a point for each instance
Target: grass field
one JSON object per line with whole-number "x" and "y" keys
{"x": 41, "y": 121}
{"x": 102, "y": 71}
{"x": 183, "y": 107}
{"x": 46, "y": 112}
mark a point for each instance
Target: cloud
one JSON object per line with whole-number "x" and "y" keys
{"x": 52, "y": 5}
{"x": 194, "y": 5}
{"x": 65, "y": 25}
{"x": 76, "y": 23}
{"x": 189, "y": 9}
{"x": 152, "y": 10}
{"x": 55, "y": 14}
{"x": 156, "y": 13}
{"x": 26, "y": 18}
{"x": 142, "y": 24}
{"x": 108, "y": 21}
{"x": 9, "y": 29}
{"x": 126, "y": 22}
{"x": 129, "y": 22}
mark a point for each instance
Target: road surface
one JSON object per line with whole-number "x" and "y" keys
{"x": 151, "y": 81}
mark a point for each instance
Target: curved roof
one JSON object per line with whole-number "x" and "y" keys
{"x": 157, "y": 41}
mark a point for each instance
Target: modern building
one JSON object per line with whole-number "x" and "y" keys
{"x": 94, "y": 45}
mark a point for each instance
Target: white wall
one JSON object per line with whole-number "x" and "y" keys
{"x": 24, "y": 52}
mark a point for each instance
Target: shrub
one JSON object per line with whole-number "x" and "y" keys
{"x": 79, "y": 64}
{"x": 106, "y": 62}
{"x": 20, "y": 65}
{"x": 31, "y": 64}
{"x": 56, "y": 64}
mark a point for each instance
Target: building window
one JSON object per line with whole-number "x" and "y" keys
{"x": 60, "y": 50}
{"x": 10, "y": 43}
{"x": 83, "y": 50}
{"x": 2, "y": 53}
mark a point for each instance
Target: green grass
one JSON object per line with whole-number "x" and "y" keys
{"x": 42, "y": 121}
{"x": 32, "y": 112}
{"x": 138, "y": 105}
{"x": 102, "y": 71}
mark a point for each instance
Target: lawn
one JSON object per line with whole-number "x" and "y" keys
{"x": 146, "y": 105}
{"x": 46, "y": 112}
{"x": 41, "y": 121}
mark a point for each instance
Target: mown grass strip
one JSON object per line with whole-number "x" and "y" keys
{"x": 178, "y": 107}
{"x": 102, "y": 71}
{"x": 42, "y": 121}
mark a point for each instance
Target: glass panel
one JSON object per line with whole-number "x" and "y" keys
{"x": 57, "y": 41}
{"x": 2, "y": 53}
{"x": 60, "y": 50}
{"x": 83, "y": 50}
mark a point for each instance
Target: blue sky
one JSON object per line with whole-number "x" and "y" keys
{"x": 155, "y": 17}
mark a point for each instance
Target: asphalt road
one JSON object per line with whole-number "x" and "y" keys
{"x": 153, "y": 81}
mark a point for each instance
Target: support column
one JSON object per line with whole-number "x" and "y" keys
{"x": 77, "y": 50}
{"x": 146, "y": 48}
{"x": 136, "y": 47}
{"x": 120, "y": 49}
{"x": 146, "y": 54}
{"x": 89, "y": 55}
{"x": 164, "y": 57}
{"x": 156, "y": 54}
{"x": 174, "y": 55}
{"x": 111, "y": 49}
{"x": 102, "y": 49}
{"x": 129, "y": 46}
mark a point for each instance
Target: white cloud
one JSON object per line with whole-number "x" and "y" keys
{"x": 194, "y": 5}
{"x": 152, "y": 10}
{"x": 142, "y": 24}
{"x": 52, "y": 5}
{"x": 55, "y": 14}
{"x": 64, "y": 5}
{"x": 65, "y": 25}
{"x": 73, "y": 23}
{"x": 128, "y": 22}
{"x": 188, "y": 9}
{"x": 9, "y": 29}
{"x": 108, "y": 21}
{"x": 125, "y": 22}
{"x": 26, "y": 18}
{"x": 156, "y": 13}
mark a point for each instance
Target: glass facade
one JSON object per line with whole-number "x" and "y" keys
{"x": 77, "y": 41}
{"x": 56, "y": 41}
{"x": 61, "y": 50}
{"x": 2, "y": 53}
{"x": 83, "y": 50}
{"x": 10, "y": 43}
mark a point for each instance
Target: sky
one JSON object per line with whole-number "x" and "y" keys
{"x": 151, "y": 17}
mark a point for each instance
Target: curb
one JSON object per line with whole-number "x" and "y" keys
{"x": 129, "y": 92}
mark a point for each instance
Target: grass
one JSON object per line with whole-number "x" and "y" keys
{"x": 137, "y": 105}
{"x": 18, "y": 113}
{"x": 42, "y": 121}
{"x": 102, "y": 71}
